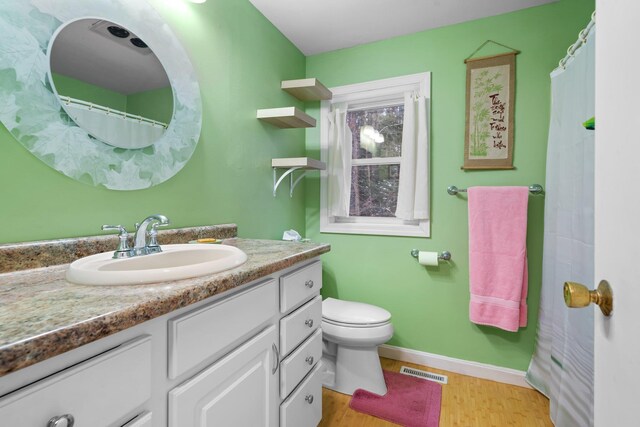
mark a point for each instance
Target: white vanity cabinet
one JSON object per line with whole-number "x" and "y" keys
{"x": 275, "y": 374}
{"x": 248, "y": 357}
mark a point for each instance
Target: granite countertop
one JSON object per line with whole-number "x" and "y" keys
{"x": 42, "y": 315}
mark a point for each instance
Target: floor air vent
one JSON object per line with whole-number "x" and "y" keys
{"x": 442, "y": 379}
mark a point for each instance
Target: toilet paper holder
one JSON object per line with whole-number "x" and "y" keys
{"x": 442, "y": 256}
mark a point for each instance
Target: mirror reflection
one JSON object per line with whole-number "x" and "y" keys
{"x": 111, "y": 83}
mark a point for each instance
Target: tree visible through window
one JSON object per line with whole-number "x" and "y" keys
{"x": 376, "y": 152}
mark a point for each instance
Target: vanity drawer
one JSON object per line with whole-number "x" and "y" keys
{"x": 205, "y": 332}
{"x": 101, "y": 391}
{"x": 300, "y": 285}
{"x": 142, "y": 420}
{"x": 298, "y": 364}
{"x": 300, "y": 324}
{"x": 304, "y": 407}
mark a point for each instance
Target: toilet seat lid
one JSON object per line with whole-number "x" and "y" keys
{"x": 353, "y": 313}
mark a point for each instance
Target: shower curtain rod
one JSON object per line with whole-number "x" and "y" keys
{"x": 68, "y": 100}
{"x": 582, "y": 39}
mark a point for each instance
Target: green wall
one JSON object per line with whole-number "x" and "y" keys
{"x": 240, "y": 59}
{"x": 430, "y": 306}
{"x": 68, "y": 86}
{"x": 152, "y": 104}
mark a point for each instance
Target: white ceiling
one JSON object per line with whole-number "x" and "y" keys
{"x": 100, "y": 59}
{"x": 316, "y": 26}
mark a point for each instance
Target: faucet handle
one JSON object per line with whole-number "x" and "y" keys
{"x": 123, "y": 249}
{"x": 155, "y": 225}
{"x": 153, "y": 245}
{"x": 121, "y": 229}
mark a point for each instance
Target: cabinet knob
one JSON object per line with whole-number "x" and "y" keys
{"x": 309, "y": 360}
{"x": 309, "y": 323}
{"x": 65, "y": 420}
{"x": 309, "y": 398}
{"x": 309, "y": 284}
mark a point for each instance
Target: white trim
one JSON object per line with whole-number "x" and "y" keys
{"x": 458, "y": 366}
{"x": 383, "y": 87}
{"x": 374, "y": 91}
{"x": 421, "y": 230}
{"x": 376, "y": 161}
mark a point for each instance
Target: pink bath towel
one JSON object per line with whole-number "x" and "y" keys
{"x": 498, "y": 256}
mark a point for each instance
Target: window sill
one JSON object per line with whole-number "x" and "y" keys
{"x": 421, "y": 230}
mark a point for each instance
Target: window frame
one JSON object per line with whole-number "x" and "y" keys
{"x": 381, "y": 92}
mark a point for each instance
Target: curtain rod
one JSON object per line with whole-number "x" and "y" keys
{"x": 110, "y": 111}
{"x": 582, "y": 39}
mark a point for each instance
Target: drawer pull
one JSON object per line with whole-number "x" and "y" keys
{"x": 276, "y": 359}
{"x": 58, "y": 421}
{"x": 309, "y": 284}
{"x": 309, "y": 360}
{"x": 309, "y": 323}
{"x": 309, "y": 398}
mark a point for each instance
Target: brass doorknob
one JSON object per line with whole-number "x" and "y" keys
{"x": 577, "y": 295}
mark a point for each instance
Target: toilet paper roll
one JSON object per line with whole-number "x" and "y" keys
{"x": 428, "y": 258}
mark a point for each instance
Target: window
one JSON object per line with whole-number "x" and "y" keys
{"x": 362, "y": 140}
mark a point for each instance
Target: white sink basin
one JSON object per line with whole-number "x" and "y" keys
{"x": 175, "y": 262}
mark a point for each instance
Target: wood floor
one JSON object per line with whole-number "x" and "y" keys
{"x": 466, "y": 402}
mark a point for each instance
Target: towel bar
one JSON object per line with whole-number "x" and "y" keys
{"x": 533, "y": 189}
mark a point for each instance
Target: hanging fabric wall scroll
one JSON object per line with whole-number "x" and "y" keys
{"x": 490, "y": 111}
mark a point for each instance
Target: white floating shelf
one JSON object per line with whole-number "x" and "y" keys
{"x": 307, "y": 89}
{"x": 287, "y": 117}
{"x": 298, "y": 162}
{"x": 292, "y": 164}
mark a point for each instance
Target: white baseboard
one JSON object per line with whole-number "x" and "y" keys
{"x": 459, "y": 366}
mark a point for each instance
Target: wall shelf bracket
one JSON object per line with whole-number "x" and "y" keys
{"x": 289, "y": 172}
{"x": 290, "y": 165}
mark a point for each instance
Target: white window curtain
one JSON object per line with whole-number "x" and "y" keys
{"x": 413, "y": 200}
{"x": 339, "y": 164}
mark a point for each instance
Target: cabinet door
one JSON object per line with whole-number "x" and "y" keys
{"x": 239, "y": 390}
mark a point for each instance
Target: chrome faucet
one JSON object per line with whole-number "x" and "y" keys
{"x": 140, "y": 246}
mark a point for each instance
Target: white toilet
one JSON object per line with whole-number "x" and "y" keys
{"x": 352, "y": 332}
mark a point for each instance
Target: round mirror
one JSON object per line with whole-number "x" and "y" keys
{"x": 110, "y": 83}
{"x": 44, "y": 96}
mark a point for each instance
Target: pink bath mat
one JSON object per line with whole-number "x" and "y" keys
{"x": 410, "y": 401}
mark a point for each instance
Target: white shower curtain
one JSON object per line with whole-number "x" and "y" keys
{"x": 114, "y": 129}
{"x": 562, "y": 364}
